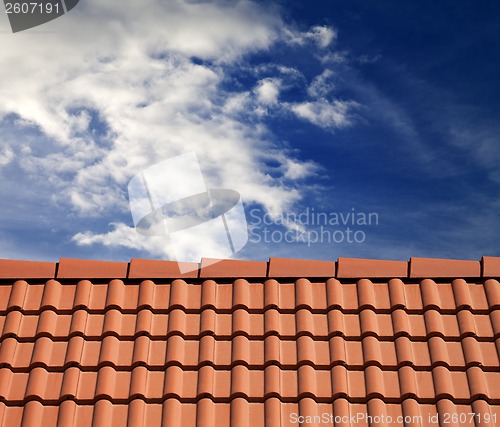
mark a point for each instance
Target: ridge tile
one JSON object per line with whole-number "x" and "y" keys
{"x": 491, "y": 266}
{"x": 300, "y": 268}
{"x": 230, "y": 268}
{"x": 359, "y": 268}
{"x": 70, "y": 268}
{"x": 159, "y": 269}
{"x": 13, "y": 269}
{"x": 437, "y": 268}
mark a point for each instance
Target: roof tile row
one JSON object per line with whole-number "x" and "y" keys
{"x": 303, "y": 293}
{"x": 321, "y": 326}
{"x": 69, "y": 268}
{"x": 224, "y": 354}
{"x": 256, "y": 385}
{"x": 245, "y": 414}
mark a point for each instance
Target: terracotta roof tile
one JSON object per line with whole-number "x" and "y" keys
{"x": 286, "y": 267}
{"x": 250, "y": 349}
{"x": 11, "y": 269}
{"x": 155, "y": 269}
{"x": 71, "y": 268}
{"x": 354, "y": 267}
{"x": 491, "y": 266}
{"x": 431, "y": 267}
{"x": 216, "y": 268}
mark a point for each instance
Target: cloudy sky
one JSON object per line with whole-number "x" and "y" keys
{"x": 356, "y": 129}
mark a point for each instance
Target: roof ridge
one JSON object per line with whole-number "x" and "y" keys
{"x": 137, "y": 268}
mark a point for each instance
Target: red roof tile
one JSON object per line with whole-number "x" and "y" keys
{"x": 71, "y": 268}
{"x": 285, "y": 267}
{"x": 260, "y": 348}
{"x": 491, "y": 266}
{"x": 354, "y": 267}
{"x": 10, "y": 269}
{"x": 431, "y": 267}
{"x": 155, "y": 269}
{"x": 217, "y": 268}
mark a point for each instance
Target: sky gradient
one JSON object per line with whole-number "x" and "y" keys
{"x": 330, "y": 119}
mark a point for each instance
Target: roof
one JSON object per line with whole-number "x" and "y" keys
{"x": 246, "y": 343}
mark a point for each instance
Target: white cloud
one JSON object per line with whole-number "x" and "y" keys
{"x": 267, "y": 91}
{"x": 321, "y": 85}
{"x": 338, "y": 57}
{"x": 322, "y": 36}
{"x": 299, "y": 170}
{"x": 129, "y": 68}
{"x": 6, "y": 156}
{"x": 326, "y": 114}
{"x": 125, "y": 236}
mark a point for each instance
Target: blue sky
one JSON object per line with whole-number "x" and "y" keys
{"x": 313, "y": 113}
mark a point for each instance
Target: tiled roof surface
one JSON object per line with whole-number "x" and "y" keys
{"x": 241, "y": 343}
